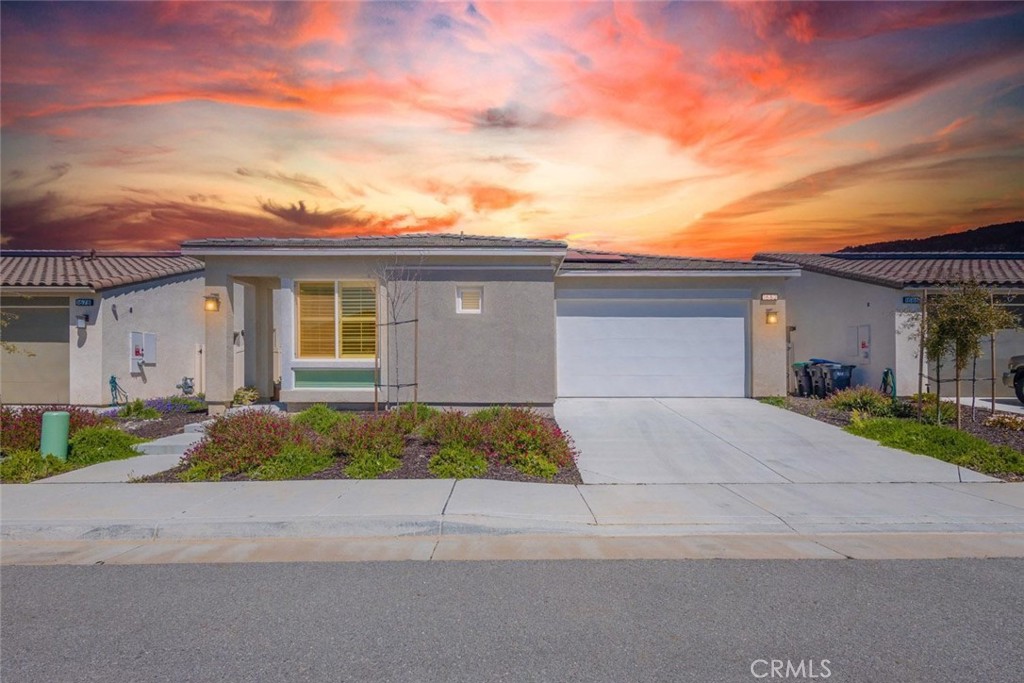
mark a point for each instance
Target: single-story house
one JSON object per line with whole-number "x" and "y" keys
{"x": 464, "y": 320}
{"x": 78, "y": 318}
{"x": 862, "y": 308}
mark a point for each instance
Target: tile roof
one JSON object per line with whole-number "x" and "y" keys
{"x": 589, "y": 260}
{"x": 413, "y": 241}
{"x": 90, "y": 269}
{"x": 899, "y": 270}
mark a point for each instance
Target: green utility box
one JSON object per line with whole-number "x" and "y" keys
{"x": 54, "y": 439}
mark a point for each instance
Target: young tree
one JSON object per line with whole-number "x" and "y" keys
{"x": 956, "y": 323}
{"x": 399, "y": 281}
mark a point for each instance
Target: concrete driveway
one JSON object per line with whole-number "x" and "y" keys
{"x": 730, "y": 441}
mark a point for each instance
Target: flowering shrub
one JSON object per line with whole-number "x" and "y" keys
{"x": 137, "y": 410}
{"x": 378, "y": 435}
{"x": 512, "y": 434}
{"x": 20, "y": 428}
{"x": 409, "y": 418}
{"x": 176, "y": 404}
{"x": 452, "y": 427}
{"x": 246, "y": 440}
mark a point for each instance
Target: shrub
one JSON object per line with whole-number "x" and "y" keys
{"x": 458, "y": 461}
{"x": 452, "y": 427}
{"x": 137, "y": 410}
{"x": 535, "y": 465}
{"x": 243, "y": 441}
{"x": 292, "y": 462}
{"x": 939, "y": 441}
{"x": 91, "y": 445}
{"x": 1014, "y": 423}
{"x": 25, "y": 465}
{"x": 517, "y": 432}
{"x": 319, "y": 418}
{"x": 379, "y": 435}
{"x": 245, "y": 396}
{"x": 862, "y": 399}
{"x": 370, "y": 465}
{"x": 20, "y": 428}
{"x": 948, "y": 409}
{"x": 410, "y": 418}
{"x": 176, "y": 404}
{"x": 201, "y": 471}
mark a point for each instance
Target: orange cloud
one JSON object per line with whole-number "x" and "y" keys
{"x": 494, "y": 198}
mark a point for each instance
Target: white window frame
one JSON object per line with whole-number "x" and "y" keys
{"x": 458, "y": 300}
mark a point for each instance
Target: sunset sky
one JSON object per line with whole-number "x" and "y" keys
{"x": 705, "y": 129}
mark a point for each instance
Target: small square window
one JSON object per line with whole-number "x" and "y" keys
{"x": 470, "y": 300}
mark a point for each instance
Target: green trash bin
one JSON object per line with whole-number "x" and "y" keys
{"x": 54, "y": 438}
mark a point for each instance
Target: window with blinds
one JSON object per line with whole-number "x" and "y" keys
{"x": 358, "y": 331}
{"x": 470, "y": 300}
{"x": 316, "y": 315}
{"x": 336, "y": 320}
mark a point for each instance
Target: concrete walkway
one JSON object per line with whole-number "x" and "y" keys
{"x": 731, "y": 441}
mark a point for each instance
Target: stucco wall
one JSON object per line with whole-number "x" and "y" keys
{"x": 171, "y": 308}
{"x": 505, "y": 355}
{"x": 823, "y": 308}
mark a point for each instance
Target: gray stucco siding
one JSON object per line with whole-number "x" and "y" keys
{"x": 504, "y": 354}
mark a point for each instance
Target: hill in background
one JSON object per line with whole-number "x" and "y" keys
{"x": 1002, "y": 237}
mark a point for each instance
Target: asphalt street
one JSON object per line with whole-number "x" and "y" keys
{"x": 709, "y": 621}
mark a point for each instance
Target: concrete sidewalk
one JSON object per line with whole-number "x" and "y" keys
{"x": 441, "y": 508}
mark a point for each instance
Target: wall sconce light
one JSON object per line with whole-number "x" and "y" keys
{"x": 211, "y": 302}
{"x": 81, "y": 320}
{"x": 771, "y": 316}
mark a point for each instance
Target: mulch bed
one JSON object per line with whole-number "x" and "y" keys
{"x": 1000, "y": 436}
{"x": 415, "y": 459}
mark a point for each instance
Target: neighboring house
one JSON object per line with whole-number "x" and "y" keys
{"x": 465, "y": 320}
{"x": 862, "y": 309}
{"x": 79, "y": 318}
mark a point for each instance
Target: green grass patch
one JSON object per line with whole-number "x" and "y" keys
{"x": 294, "y": 461}
{"x": 458, "y": 461}
{"x": 777, "y": 401}
{"x": 943, "y": 443}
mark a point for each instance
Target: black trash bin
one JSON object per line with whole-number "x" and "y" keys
{"x": 836, "y": 376}
{"x": 816, "y": 373}
{"x": 802, "y": 379}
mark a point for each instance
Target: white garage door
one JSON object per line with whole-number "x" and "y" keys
{"x": 651, "y": 348}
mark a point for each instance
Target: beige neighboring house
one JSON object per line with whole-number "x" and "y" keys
{"x": 460, "y": 320}
{"x": 860, "y": 308}
{"x": 80, "y": 318}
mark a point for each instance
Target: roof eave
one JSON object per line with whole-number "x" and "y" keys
{"x": 680, "y": 273}
{"x": 201, "y": 252}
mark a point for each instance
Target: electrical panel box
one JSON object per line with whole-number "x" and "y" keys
{"x": 142, "y": 350}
